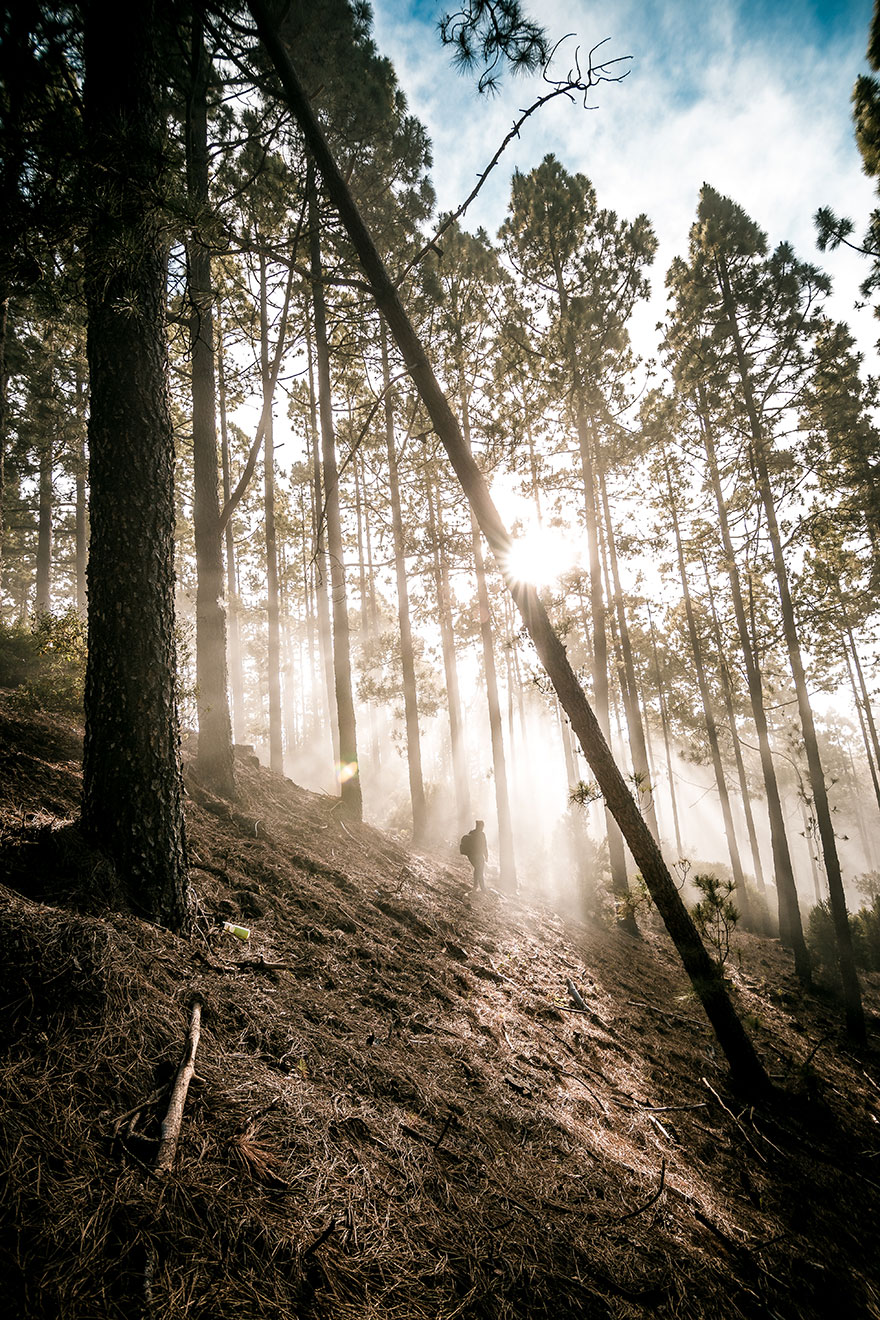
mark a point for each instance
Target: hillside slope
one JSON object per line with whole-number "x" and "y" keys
{"x": 396, "y": 1113}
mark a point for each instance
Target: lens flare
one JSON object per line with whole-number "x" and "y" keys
{"x": 540, "y": 555}
{"x": 346, "y": 770}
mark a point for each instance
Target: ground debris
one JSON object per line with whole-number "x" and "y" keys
{"x": 392, "y": 1115}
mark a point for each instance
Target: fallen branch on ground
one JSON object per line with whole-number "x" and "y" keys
{"x": 170, "y": 1131}
{"x": 619, "y": 1219}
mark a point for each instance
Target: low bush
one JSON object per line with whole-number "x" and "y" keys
{"x": 46, "y": 663}
{"x": 864, "y": 927}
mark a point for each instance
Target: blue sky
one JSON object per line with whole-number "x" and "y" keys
{"x": 748, "y": 95}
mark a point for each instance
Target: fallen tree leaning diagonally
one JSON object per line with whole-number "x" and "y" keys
{"x": 746, "y": 1069}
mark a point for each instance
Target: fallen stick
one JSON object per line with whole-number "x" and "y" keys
{"x": 619, "y": 1219}
{"x": 168, "y": 1136}
{"x": 170, "y": 1130}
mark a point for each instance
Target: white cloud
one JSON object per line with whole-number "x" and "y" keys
{"x": 760, "y": 109}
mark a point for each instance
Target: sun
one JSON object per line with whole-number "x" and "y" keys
{"x": 539, "y": 556}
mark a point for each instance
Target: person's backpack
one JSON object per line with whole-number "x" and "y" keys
{"x": 464, "y": 845}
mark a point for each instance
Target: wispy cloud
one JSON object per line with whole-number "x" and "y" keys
{"x": 751, "y": 97}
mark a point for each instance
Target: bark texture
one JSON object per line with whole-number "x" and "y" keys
{"x": 132, "y": 789}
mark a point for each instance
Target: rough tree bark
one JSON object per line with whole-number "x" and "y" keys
{"x": 132, "y": 788}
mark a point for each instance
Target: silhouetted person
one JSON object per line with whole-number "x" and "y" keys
{"x": 476, "y": 850}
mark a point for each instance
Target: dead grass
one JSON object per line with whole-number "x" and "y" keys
{"x": 408, "y": 1123}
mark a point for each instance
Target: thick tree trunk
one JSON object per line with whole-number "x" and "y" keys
{"x": 273, "y": 608}
{"x": 214, "y": 757}
{"x": 708, "y": 713}
{"x": 791, "y": 930}
{"x": 407, "y": 658}
{"x": 463, "y": 813}
{"x": 855, "y": 1016}
{"x": 705, "y": 976}
{"x": 132, "y": 787}
{"x": 349, "y": 768}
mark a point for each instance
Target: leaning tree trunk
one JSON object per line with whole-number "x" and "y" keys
{"x": 407, "y": 658}
{"x": 132, "y": 787}
{"x": 705, "y": 976}
{"x": 349, "y": 768}
{"x": 791, "y": 930}
{"x": 214, "y": 759}
{"x": 855, "y": 1015}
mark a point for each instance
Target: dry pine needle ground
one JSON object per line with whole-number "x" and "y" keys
{"x": 394, "y": 1114}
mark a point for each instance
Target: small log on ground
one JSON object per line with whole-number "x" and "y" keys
{"x": 170, "y": 1131}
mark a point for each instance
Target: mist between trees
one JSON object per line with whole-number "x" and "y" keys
{"x": 703, "y": 534}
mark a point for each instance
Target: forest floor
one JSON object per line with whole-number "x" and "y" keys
{"x": 395, "y": 1112}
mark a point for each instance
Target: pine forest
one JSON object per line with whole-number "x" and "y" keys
{"x": 438, "y": 684}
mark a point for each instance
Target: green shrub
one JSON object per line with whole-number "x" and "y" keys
{"x": 864, "y": 927}
{"x": 821, "y": 940}
{"x": 18, "y": 655}
{"x": 46, "y": 663}
{"x": 715, "y": 915}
